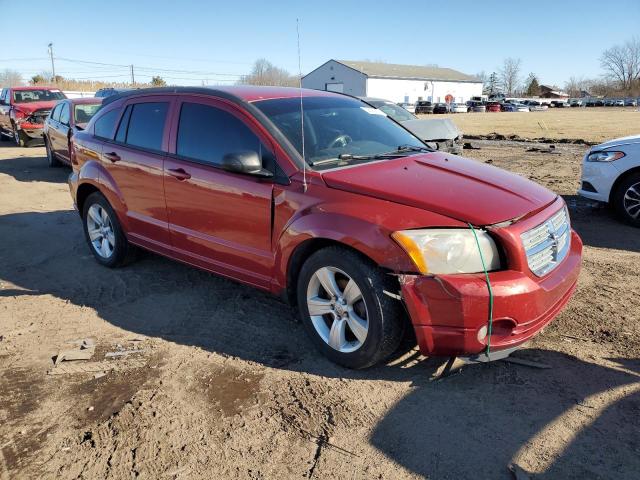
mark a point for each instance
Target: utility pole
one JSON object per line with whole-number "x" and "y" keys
{"x": 53, "y": 67}
{"x": 133, "y": 79}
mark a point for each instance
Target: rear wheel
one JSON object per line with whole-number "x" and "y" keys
{"x": 344, "y": 310}
{"x": 104, "y": 234}
{"x": 626, "y": 199}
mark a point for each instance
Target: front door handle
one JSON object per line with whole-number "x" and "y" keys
{"x": 179, "y": 173}
{"x": 113, "y": 156}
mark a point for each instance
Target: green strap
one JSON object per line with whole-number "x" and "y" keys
{"x": 486, "y": 276}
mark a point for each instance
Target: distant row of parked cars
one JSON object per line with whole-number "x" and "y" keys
{"x": 604, "y": 102}
{"x": 423, "y": 106}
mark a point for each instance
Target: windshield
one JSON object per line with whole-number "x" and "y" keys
{"x": 28, "y": 96}
{"x": 83, "y": 113}
{"x": 336, "y": 127}
{"x": 399, "y": 114}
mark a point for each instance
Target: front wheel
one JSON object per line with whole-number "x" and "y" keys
{"x": 345, "y": 310}
{"x": 626, "y": 200}
{"x": 19, "y": 137}
{"x": 104, "y": 234}
{"x": 51, "y": 157}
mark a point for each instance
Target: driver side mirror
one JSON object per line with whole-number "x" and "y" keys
{"x": 248, "y": 163}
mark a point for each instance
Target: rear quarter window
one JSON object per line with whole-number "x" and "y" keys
{"x": 105, "y": 125}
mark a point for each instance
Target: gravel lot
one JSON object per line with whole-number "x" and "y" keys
{"x": 226, "y": 385}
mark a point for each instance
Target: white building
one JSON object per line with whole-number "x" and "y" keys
{"x": 398, "y": 83}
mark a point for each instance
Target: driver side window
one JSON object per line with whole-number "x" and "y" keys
{"x": 207, "y": 134}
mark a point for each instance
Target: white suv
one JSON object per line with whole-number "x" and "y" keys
{"x": 611, "y": 174}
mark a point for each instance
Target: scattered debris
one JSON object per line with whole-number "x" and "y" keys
{"x": 526, "y": 363}
{"x": 488, "y": 161}
{"x": 96, "y": 367}
{"x": 517, "y": 138}
{"x": 518, "y": 472}
{"x": 551, "y": 150}
{"x": 99, "y": 374}
{"x": 124, "y": 353}
{"x": 87, "y": 348}
{"x": 449, "y": 368}
{"x": 90, "y": 409}
{"x": 574, "y": 337}
{"x": 468, "y": 146}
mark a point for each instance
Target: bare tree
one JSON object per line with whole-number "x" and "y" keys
{"x": 266, "y": 73}
{"x": 510, "y": 74}
{"x": 622, "y": 63}
{"x": 10, "y": 78}
{"x": 575, "y": 86}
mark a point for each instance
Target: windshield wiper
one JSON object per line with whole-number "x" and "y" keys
{"x": 402, "y": 151}
{"x": 414, "y": 148}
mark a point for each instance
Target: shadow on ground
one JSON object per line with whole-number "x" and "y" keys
{"x": 32, "y": 166}
{"x": 598, "y": 225}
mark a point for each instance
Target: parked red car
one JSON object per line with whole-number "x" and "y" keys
{"x": 493, "y": 107}
{"x": 360, "y": 221}
{"x": 23, "y": 111}
{"x": 67, "y": 117}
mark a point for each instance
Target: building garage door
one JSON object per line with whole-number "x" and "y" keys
{"x": 334, "y": 87}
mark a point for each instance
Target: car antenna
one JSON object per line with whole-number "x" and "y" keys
{"x": 304, "y": 159}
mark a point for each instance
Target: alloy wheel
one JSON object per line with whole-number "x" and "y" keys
{"x": 337, "y": 309}
{"x": 100, "y": 230}
{"x": 631, "y": 201}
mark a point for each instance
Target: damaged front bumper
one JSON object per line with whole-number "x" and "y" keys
{"x": 450, "y": 313}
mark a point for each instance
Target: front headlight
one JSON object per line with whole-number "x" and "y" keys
{"x": 448, "y": 250}
{"x": 604, "y": 156}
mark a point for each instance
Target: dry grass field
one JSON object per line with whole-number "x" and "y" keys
{"x": 589, "y": 124}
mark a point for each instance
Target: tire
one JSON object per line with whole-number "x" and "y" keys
{"x": 51, "y": 157}
{"x": 118, "y": 251}
{"x": 19, "y": 137}
{"x": 626, "y": 199}
{"x": 377, "y": 319}
{"x": 4, "y": 136}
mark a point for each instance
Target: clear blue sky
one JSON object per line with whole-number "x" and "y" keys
{"x": 554, "y": 39}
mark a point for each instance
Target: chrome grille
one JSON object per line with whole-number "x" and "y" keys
{"x": 547, "y": 244}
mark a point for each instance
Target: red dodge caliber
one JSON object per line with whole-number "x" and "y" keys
{"x": 326, "y": 201}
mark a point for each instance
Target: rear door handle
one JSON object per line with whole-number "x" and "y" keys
{"x": 179, "y": 173}
{"x": 113, "y": 156}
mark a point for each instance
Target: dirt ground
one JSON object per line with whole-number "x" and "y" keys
{"x": 594, "y": 124}
{"x": 221, "y": 382}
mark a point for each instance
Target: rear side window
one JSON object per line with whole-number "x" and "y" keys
{"x": 105, "y": 125}
{"x": 64, "y": 114}
{"x": 145, "y": 126}
{"x": 207, "y": 134}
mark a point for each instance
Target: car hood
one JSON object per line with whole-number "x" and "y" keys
{"x": 431, "y": 130}
{"x": 33, "y": 106}
{"x": 446, "y": 184}
{"x": 617, "y": 141}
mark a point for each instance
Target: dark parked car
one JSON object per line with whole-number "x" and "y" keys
{"x": 109, "y": 91}
{"x": 441, "y": 108}
{"x": 558, "y": 104}
{"x": 349, "y": 216}
{"x": 423, "y": 106}
{"x": 23, "y": 111}
{"x": 66, "y": 118}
